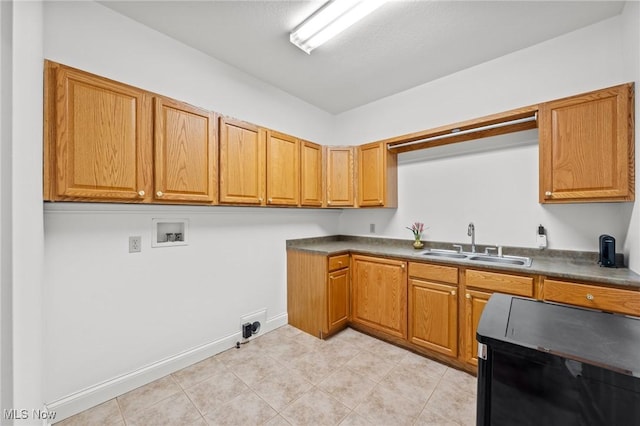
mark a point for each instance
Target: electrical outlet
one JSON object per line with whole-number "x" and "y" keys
{"x": 135, "y": 244}
{"x": 247, "y": 330}
{"x": 250, "y": 323}
{"x": 372, "y": 228}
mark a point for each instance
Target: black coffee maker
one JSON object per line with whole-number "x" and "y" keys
{"x": 607, "y": 251}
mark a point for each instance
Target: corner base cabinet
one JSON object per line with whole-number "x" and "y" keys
{"x": 318, "y": 292}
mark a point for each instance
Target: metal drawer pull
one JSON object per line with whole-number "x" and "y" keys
{"x": 589, "y": 296}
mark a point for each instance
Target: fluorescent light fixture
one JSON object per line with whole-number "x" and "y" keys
{"x": 330, "y": 20}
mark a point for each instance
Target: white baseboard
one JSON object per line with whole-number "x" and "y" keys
{"x": 97, "y": 394}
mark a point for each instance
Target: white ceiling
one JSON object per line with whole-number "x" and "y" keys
{"x": 401, "y": 45}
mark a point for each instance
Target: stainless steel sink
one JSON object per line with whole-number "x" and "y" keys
{"x": 445, "y": 253}
{"x": 480, "y": 258}
{"x": 505, "y": 260}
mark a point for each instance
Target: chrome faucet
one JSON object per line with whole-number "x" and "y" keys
{"x": 471, "y": 231}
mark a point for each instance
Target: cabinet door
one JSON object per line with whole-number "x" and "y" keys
{"x": 340, "y": 182}
{"x": 379, "y": 292}
{"x": 433, "y": 316}
{"x": 593, "y": 296}
{"x": 311, "y": 187}
{"x": 283, "y": 169}
{"x": 586, "y": 147}
{"x": 242, "y": 162}
{"x": 185, "y": 152}
{"x": 475, "y": 301}
{"x": 338, "y": 299}
{"x": 102, "y": 138}
{"x": 377, "y": 176}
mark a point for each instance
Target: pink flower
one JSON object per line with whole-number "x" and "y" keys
{"x": 417, "y": 228}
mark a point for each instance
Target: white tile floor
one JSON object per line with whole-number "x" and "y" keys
{"x": 287, "y": 377}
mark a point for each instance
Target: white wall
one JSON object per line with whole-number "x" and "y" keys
{"x": 114, "y": 320}
{"x": 110, "y": 313}
{"x": 6, "y": 320}
{"x": 631, "y": 51}
{"x": 496, "y": 189}
{"x": 96, "y": 39}
{"x": 22, "y": 228}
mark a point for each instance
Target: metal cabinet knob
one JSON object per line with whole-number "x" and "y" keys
{"x": 260, "y": 199}
{"x": 159, "y": 193}
{"x": 339, "y": 263}
{"x": 380, "y": 202}
{"x": 548, "y": 194}
{"x": 270, "y": 200}
{"x": 402, "y": 266}
{"x": 468, "y": 296}
{"x": 453, "y": 292}
{"x": 141, "y": 193}
{"x": 590, "y": 296}
{"x": 329, "y": 202}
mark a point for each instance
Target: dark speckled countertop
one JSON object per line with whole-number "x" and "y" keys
{"x": 551, "y": 263}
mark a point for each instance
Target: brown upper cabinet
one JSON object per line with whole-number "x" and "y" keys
{"x": 311, "y": 175}
{"x": 242, "y": 162}
{"x": 98, "y": 143}
{"x": 340, "y": 178}
{"x": 185, "y": 143}
{"x": 587, "y": 147}
{"x": 377, "y": 176}
{"x": 283, "y": 169}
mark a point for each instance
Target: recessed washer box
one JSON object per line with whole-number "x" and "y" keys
{"x": 169, "y": 232}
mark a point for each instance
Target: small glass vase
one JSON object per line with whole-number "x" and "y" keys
{"x": 417, "y": 244}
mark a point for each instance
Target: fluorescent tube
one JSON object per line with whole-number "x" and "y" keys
{"x": 330, "y": 20}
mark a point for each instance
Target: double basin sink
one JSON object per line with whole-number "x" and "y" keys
{"x": 480, "y": 258}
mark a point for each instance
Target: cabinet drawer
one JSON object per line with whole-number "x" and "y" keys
{"x": 446, "y": 274}
{"x": 338, "y": 262}
{"x": 593, "y": 296}
{"x": 503, "y": 283}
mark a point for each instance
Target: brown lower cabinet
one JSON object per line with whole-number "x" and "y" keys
{"x": 318, "y": 292}
{"x": 379, "y": 294}
{"x": 474, "y": 303}
{"x": 338, "y": 299}
{"x": 591, "y": 296}
{"x": 432, "y": 309}
{"x": 479, "y": 286}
